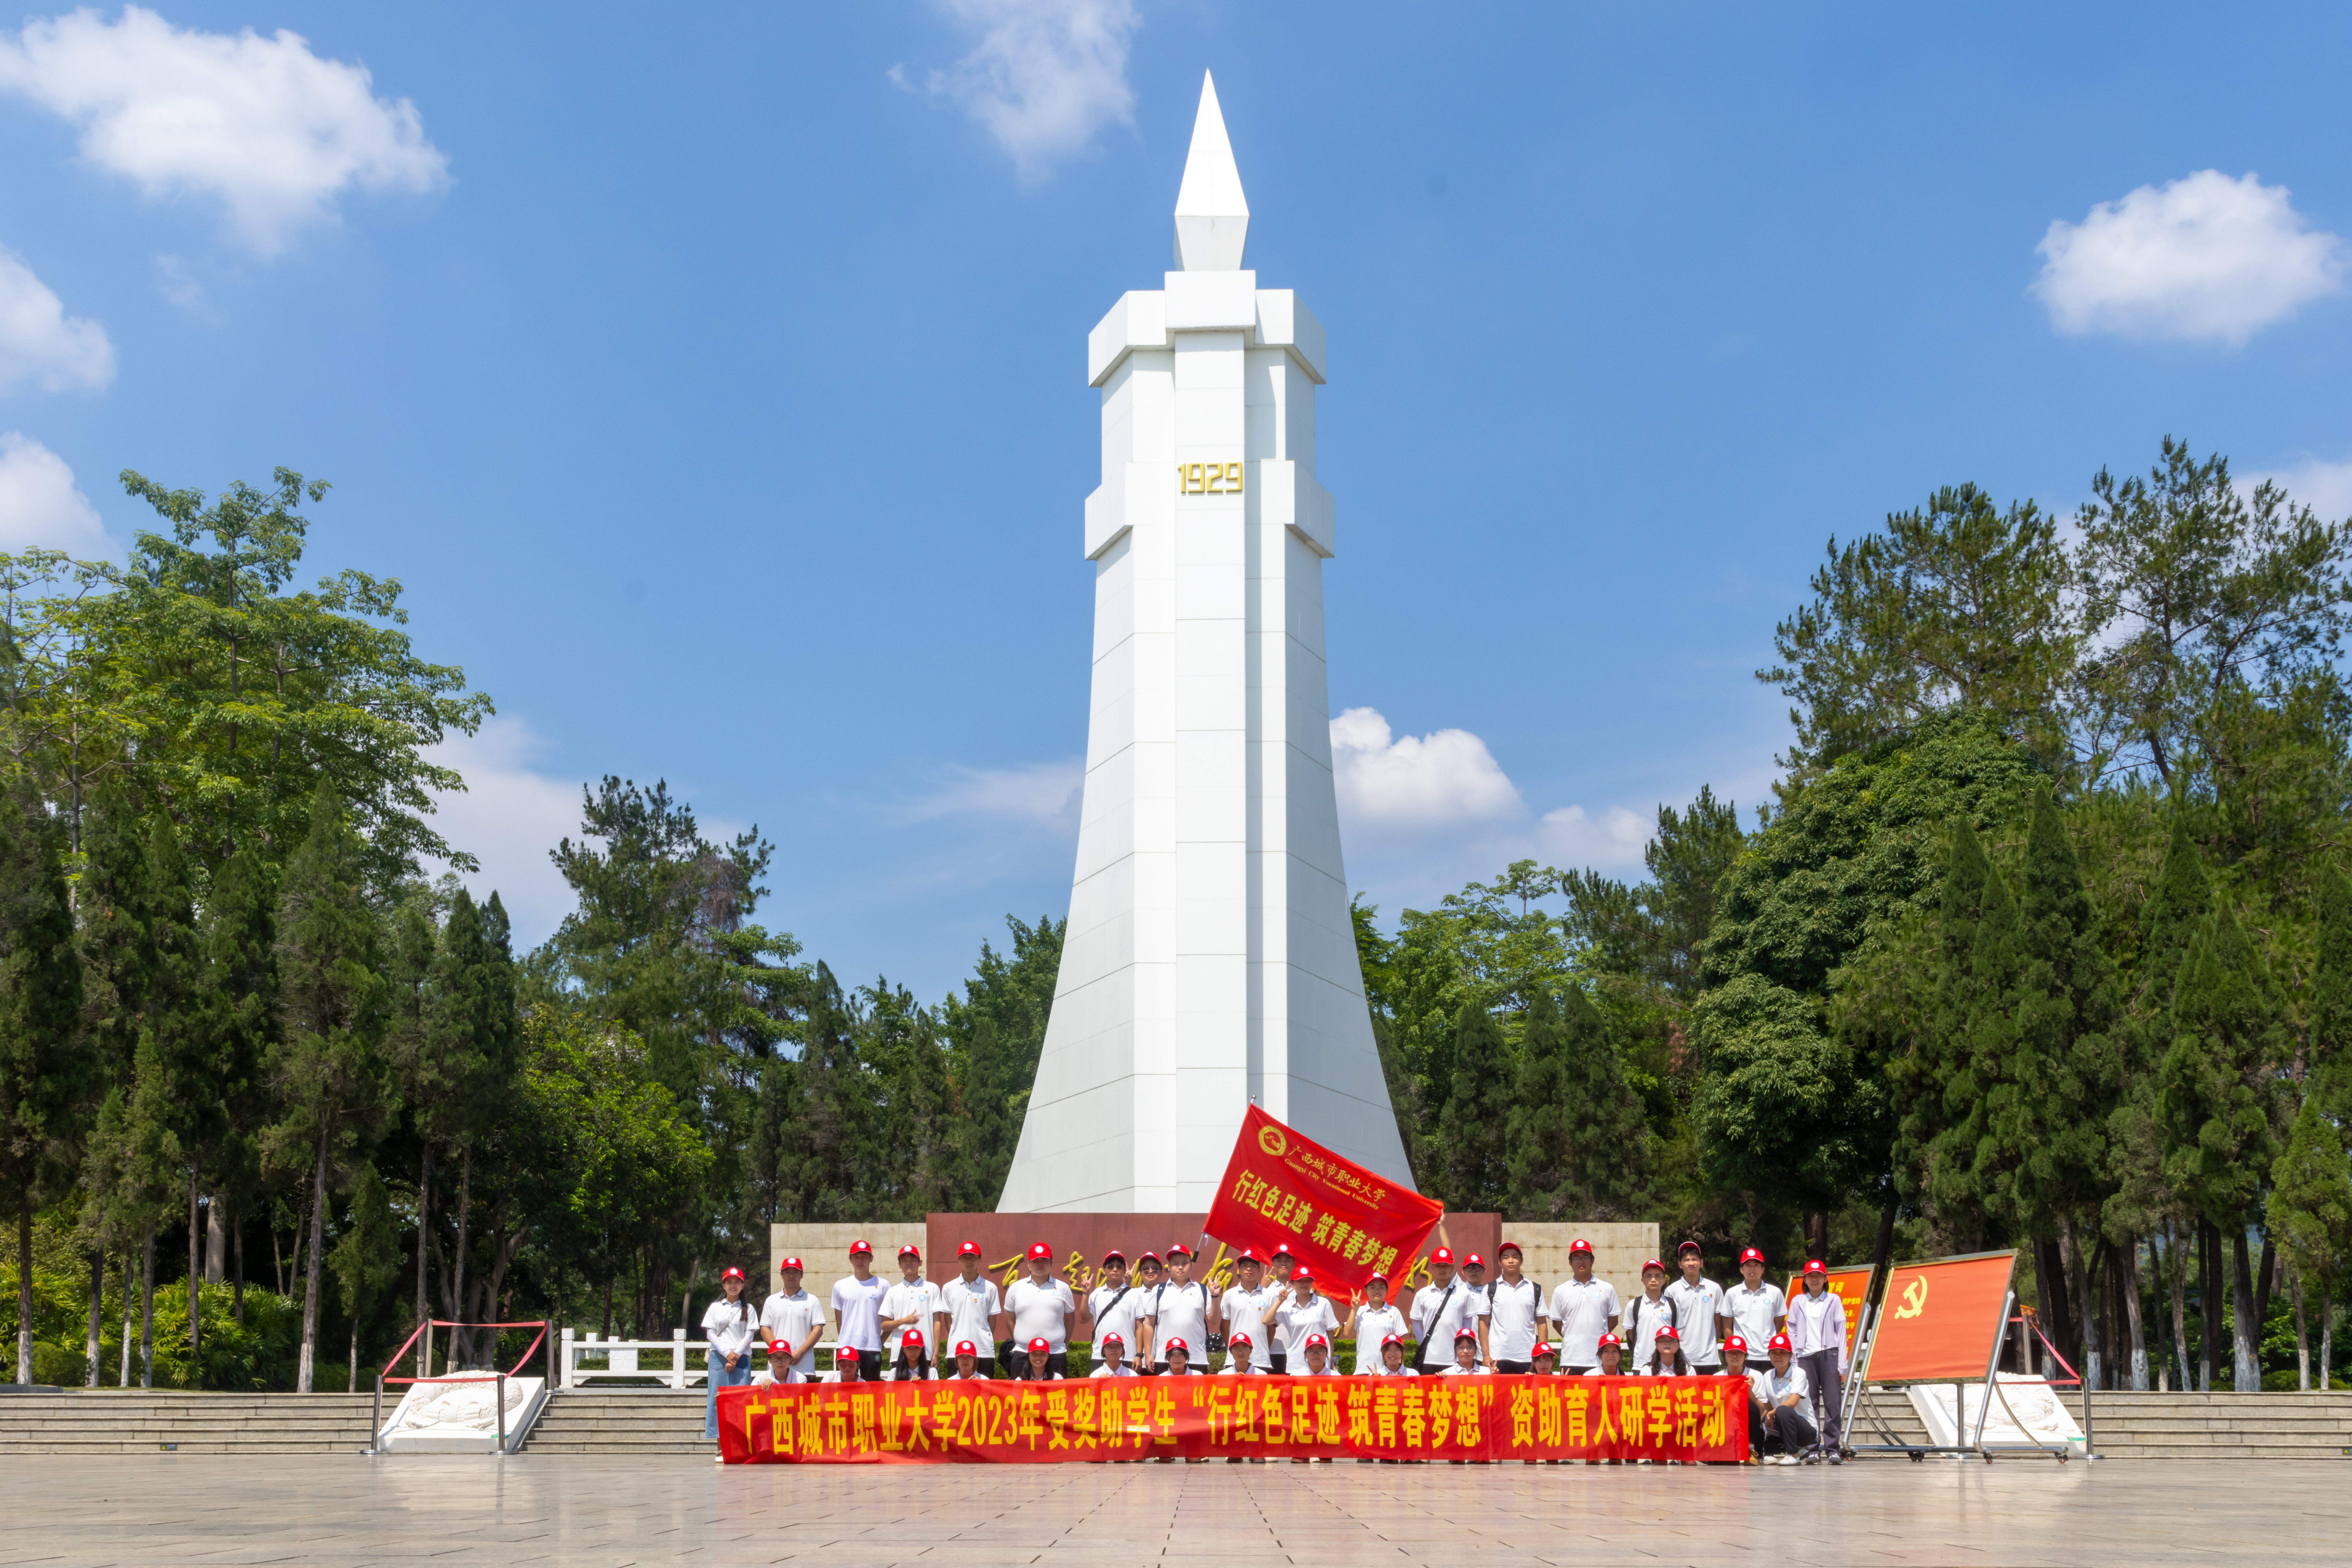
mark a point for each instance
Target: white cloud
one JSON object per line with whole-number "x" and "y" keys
{"x": 1040, "y": 791}
{"x": 39, "y": 504}
{"x": 2203, "y": 257}
{"x": 39, "y": 342}
{"x": 509, "y": 816}
{"x": 2325, "y": 487}
{"x": 262, "y": 124}
{"x": 1046, "y": 76}
{"x": 1571, "y": 837}
{"x": 1416, "y": 783}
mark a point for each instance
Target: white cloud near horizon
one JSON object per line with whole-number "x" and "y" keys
{"x": 264, "y": 125}
{"x": 1037, "y": 792}
{"x": 1575, "y": 839}
{"x": 2204, "y": 257}
{"x": 509, "y": 816}
{"x": 2324, "y": 487}
{"x": 1416, "y": 783}
{"x": 39, "y": 343}
{"x": 1044, "y": 77}
{"x": 41, "y": 505}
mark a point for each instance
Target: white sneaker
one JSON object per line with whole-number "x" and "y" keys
{"x": 1788, "y": 1459}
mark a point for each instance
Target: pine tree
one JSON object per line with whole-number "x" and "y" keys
{"x": 1580, "y": 1136}
{"x": 2212, "y": 1101}
{"x": 366, "y": 1256}
{"x": 987, "y": 1132}
{"x": 237, "y": 959}
{"x": 1921, "y": 1079}
{"x": 46, "y": 1065}
{"x": 2330, "y": 1048}
{"x": 2053, "y": 1129}
{"x": 836, "y": 1147}
{"x": 183, "y": 1079}
{"x": 1472, "y": 1129}
{"x": 2310, "y": 1208}
{"x": 329, "y": 1066}
{"x": 1973, "y": 1177}
{"x": 118, "y": 956}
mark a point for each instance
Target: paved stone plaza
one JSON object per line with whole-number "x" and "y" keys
{"x": 64, "y": 1511}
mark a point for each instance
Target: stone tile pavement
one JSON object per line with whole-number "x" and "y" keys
{"x": 160, "y": 1511}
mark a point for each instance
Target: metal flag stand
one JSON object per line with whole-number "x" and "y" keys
{"x": 1857, "y": 1388}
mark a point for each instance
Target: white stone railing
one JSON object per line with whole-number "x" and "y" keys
{"x": 585, "y": 1358}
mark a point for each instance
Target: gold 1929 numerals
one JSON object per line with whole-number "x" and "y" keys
{"x": 1208, "y": 478}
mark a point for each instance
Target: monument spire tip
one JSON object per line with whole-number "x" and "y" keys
{"x": 1211, "y": 214}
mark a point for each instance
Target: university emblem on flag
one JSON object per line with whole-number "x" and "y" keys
{"x": 1271, "y": 1140}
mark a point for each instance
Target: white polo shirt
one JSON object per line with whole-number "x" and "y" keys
{"x": 859, "y": 1302}
{"x": 1638, "y": 1329}
{"x": 1695, "y": 1309}
{"x": 1438, "y": 1316}
{"x": 1122, "y": 1370}
{"x": 795, "y": 1319}
{"x": 971, "y": 1314}
{"x": 920, "y": 1299}
{"x": 1754, "y": 1312}
{"x": 1179, "y": 1312}
{"x": 1372, "y": 1324}
{"x": 1772, "y": 1388}
{"x": 1512, "y": 1313}
{"x": 1113, "y": 1308}
{"x": 1041, "y": 1312}
{"x": 1245, "y": 1312}
{"x": 1582, "y": 1309}
{"x": 1295, "y": 1320}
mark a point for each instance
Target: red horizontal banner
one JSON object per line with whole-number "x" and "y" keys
{"x": 1345, "y": 1223}
{"x": 1481, "y": 1418}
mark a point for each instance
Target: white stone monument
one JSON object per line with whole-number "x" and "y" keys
{"x": 1211, "y": 960}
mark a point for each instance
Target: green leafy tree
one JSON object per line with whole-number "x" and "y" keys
{"x": 47, "y": 1069}
{"x": 238, "y": 937}
{"x": 2310, "y": 1211}
{"x": 1470, "y": 1156}
{"x": 330, "y": 1068}
{"x": 1579, "y": 1138}
{"x": 366, "y": 1256}
{"x": 995, "y": 1035}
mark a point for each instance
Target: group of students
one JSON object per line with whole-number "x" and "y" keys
{"x": 1160, "y": 1321}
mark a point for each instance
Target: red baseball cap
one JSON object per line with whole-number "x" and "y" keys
{"x": 1241, "y": 1339}
{"x": 861, "y": 1246}
{"x": 1148, "y": 1257}
{"x": 1474, "y": 1262}
{"x": 1511, "y": 1247}
{"x": 1301, "y": 1272}
{"x": 1541, "y": 1351}
{"x": 1115, "y": 1338}
{"x": 1313, "y": 1341}
{"x": 1667, "y": 1331}
{"x": 1815, "y": 1266}
{"x": 911, "y": 1250}
{"x": 1247, "y": 1254}
{"x": 1443, "y": 1255}
{"x": 1779, "y": 1342}
{"x": 1736, "y": 1345}
{"x": 1580, "y": 1244}
{"x": 1282, "y": 1249}
{"x": 1039, "y": 1249}
{"x": 789, "y": 1265}
{"x": 776, "y": 1349}
{"x": 1654, "y": 1263}
{"x": 1690, "y": 1246}
{"x": 1177, "y": 1345}
{"x": 1610, "y": 1340}
{"x": 1114, "y": 1252}
{"x": 1388, "y": 1339}
{"x": 1039, "y": 1347}
{"x": 1377, "y": 1278}
{"x": 1749, "y": 1255}
{"x": 1175, "y": 1247}
{"x": 730, "y": 1274}
{"x": 966, "y": 1348}
{"x": 914, "y": 1340}
{"x": 967, "y": 1250}
{"x": 1465, "y": 1332}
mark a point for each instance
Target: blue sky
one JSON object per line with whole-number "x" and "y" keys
{"x": 715, "y": 384}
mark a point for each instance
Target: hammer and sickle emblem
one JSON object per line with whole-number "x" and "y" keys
{"x": 1271, "y": 1140}
{"x": 1914, "y": 1298}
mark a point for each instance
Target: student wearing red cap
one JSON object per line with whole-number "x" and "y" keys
{"x": 1374, "y": 1322}
{"x": 1610, "y": 1353}
{"x": 1474, "y": 1278}
{"x": 1817, "y": 1339}
{"x": 969, "y": 1308}
{"x": 1667, "y": 1358}
{"x": 1392, "y": 1364}
{"x": 1643, "y": 1315}
{"x": 1111, "y": 1306}
{"x": 794, "y": 1320}
{"x": 1440, "y": 1309}
{"x": 1178, "y": 1351}
{"x": 857, "y": 1319}
{"x": 1300, "y": 1314}
{"x": 914, "y": 1362}
{"x": 1466, "y": 1355}
{"x": 1180, "y": 1307}
{"x": 1038, "y": 1360}
{"x": 1110, "y": 1356}
{"x": 730, "y": 1328}
{"x": 1515, "y": 1313}
{"x": 1240, "y": 1356}
{"x": 911, "y": 1304}
{"x": 1583, "y": 1308}
{"x": 1545, "y": 1362}
{"x": 1042, "y": 1309}
{"x": 1757, "y": 1310}
{"x": 1776, "y": 1413}
{"x": 1278, "y": 1266}
{"x": 1699, "y": 1317}
{"x": 1316, "y": 1349}
{"x": 1243, "y": 1307}
{"x": 967, "y": 1364}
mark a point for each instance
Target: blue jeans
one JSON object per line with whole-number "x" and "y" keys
{"x": 721, "y": 1378}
